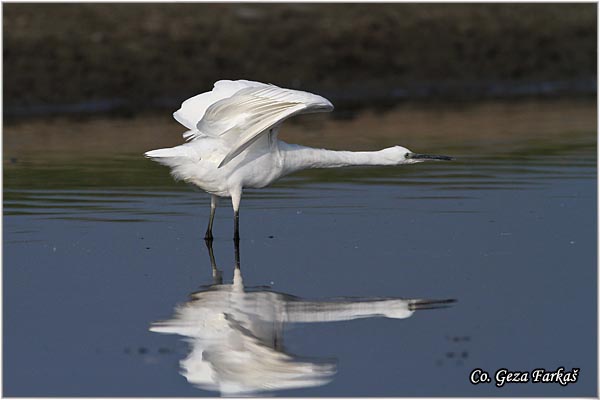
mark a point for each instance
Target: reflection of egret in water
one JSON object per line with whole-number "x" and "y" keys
{"x": 236, "y": 334}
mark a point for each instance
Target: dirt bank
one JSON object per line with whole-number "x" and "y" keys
{"x": 61, "y": 58}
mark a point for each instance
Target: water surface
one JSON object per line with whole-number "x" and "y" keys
{"x": 100, "y": 245}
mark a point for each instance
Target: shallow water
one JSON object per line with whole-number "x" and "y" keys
{"x": 101, "y": 246}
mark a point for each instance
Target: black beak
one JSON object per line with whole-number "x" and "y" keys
{"x": 430, "y": 304}
{"x": 416, "y": 156}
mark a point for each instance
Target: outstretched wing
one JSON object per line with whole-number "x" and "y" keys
{"x": 244, "y": 111}
{"x": 192, "y": 110}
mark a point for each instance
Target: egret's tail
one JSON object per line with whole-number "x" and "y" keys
{"x": 172, "y": 156}
{"x": 163, "y": 153}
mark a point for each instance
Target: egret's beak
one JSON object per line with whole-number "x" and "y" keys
{"x": 415, "y": 156}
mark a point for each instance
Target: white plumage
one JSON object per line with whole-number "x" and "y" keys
{"x": 232, "y": 141}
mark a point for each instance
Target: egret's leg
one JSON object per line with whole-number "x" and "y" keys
{"x": 216, "y": 273}
{"x": 236, "y": 197}
{"x": 236, "y": 245}
{"x": 236, "y": 227}
{"x": 213, "y": 207}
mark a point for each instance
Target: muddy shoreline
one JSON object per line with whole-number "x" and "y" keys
{"x": 125, "y": 58}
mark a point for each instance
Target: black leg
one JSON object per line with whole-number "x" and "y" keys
{"x": 209, "y": 235}
{"x": 236, "y": 228}
{"x": 236, "y": 244}
{"x": 213, "y": 208}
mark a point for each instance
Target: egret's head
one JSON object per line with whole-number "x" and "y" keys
{"x": 402, "y": 155}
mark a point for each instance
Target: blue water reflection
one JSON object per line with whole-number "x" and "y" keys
{"x": 236, "y": 333}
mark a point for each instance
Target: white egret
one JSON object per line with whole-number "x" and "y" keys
{"x": 232, "y": 142}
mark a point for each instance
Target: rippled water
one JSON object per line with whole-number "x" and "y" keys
{"x": 103, "y": 251}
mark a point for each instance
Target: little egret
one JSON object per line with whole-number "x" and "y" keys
{"x": 232, "y": 142}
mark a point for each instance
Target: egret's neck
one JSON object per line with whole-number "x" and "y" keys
{"x": 296, "y": 157}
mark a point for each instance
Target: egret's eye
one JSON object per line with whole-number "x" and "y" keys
{"x": 407, "y": 155}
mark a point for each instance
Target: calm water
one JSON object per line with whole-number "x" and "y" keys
{"x": 99, "y": 250}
